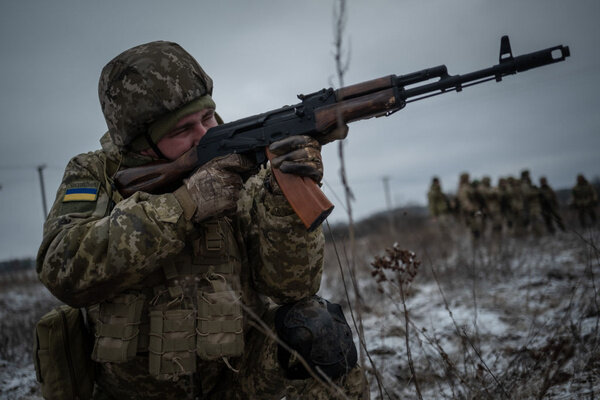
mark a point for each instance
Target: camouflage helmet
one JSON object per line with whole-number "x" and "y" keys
{"x": 145, "y": 83}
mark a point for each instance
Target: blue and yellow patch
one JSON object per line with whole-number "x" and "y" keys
{"x": 81, "y": 194}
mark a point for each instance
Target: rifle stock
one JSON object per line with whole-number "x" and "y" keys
{"x": 316, "y": 115}
{"x": 156, "y": 177}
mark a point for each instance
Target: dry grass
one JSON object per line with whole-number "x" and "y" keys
{"x": 543, "y": 290}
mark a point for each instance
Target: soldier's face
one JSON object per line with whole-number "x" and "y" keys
{"x": 187, "y": 133}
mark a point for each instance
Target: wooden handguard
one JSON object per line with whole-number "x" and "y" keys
{"x": 305, "y": 197}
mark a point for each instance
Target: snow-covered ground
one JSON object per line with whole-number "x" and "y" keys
{"x": 518, "y": 320}
{"x": 22, "y": 302}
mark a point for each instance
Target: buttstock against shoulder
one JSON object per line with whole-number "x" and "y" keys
{"x": 157, "y": 177}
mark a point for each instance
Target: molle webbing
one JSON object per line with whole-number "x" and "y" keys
{"x": 220, "y": 324}
{"x": 172, "y": 343}
{"x": 196, "y": 311}
{"x": 117, "y": 328}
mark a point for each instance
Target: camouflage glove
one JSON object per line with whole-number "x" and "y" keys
{"x": 215, "y": 187}
{"x": 298, "y": 155}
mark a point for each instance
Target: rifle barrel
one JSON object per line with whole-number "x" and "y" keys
{"x": 508, "y": 66}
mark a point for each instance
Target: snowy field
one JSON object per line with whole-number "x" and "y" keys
{"x": 516, "y": 319}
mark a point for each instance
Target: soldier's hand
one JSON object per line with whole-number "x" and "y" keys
{"x": 215, "y": 186}
{"x": 298, "y": 155}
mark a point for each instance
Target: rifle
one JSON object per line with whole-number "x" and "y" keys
{"x": 316, "y": 115}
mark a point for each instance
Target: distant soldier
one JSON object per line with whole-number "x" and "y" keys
{"x": 465, "y": 208}
{"x": 438, "y": 203}
{"x": 492, "y": 209}
{"x": 453, "y": 207}
{"x": 504, "y": 200}
{"x": 525, "y": 175}
{"x": 550, "y": 208}
{"x": 584, "y": 201}
{"x": 517, "y": 219}
{"x": 476, "y": 207}
{"x": 532, "y": 205}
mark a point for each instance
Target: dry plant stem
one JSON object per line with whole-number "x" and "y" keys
{"x": 596, "y": 256}
{"x": 406, "y": 337}
{"x": 427, "y": 357}
{"x": 464, "y": 335}
{"x": 361, "y": 340}
{"x": 335, "y": 194}
{"x": 474, "y": 294}
{"x": 445, "y": 364}
{"x": 341, "y": 68}
{"x": 450, "y": 366}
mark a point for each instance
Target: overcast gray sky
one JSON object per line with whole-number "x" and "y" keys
{"x": 262, "y": 53}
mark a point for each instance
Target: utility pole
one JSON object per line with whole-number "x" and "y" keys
{"x": 40, "y": 168}
{"x": 388, "y": 202}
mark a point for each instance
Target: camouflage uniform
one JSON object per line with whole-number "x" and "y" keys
{"x": 517, "y": 211}
{"x": 478, "y": 221}
{"x": 470, "y": 205}
{"x": 504, "y": 200}
{"x": 438, "y": 205}
{"x": 584, "y": 200}
{"x": 491, "y": 200}
{"x": 532, "y": 206}
{"x": 550, "y": 207}
{"x": 462, "y": 198}
{"x": 172, "y": 303}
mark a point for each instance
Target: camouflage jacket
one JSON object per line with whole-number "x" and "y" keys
{"x": 531, "y": 197}
{"x": 438, "y": 203}
{"x": 96, "y": 248}
{"x": 465, "y": 199}
{"x": 548, "y": 197}
{"x": 491, "y": 199}
{"x": 584, "y": 195}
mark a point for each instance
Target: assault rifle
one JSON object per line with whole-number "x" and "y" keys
{"x": 316, "y": 115}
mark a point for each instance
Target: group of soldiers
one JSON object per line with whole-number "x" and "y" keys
{"x": 516, "y": 205}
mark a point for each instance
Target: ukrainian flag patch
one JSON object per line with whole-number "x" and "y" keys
{"x": 81, "y": 194}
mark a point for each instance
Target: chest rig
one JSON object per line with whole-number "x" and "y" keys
{"x": 194, "y": 312}
{"x": 190, "y": 309}
{"x": 198, "y": 310}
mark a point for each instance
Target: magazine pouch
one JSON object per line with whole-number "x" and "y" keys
{"x": 172, "y": 343}
{"x": 220, "y": 320}
{"x": 117, "y": 328}
{"x": 220, "y": 324}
